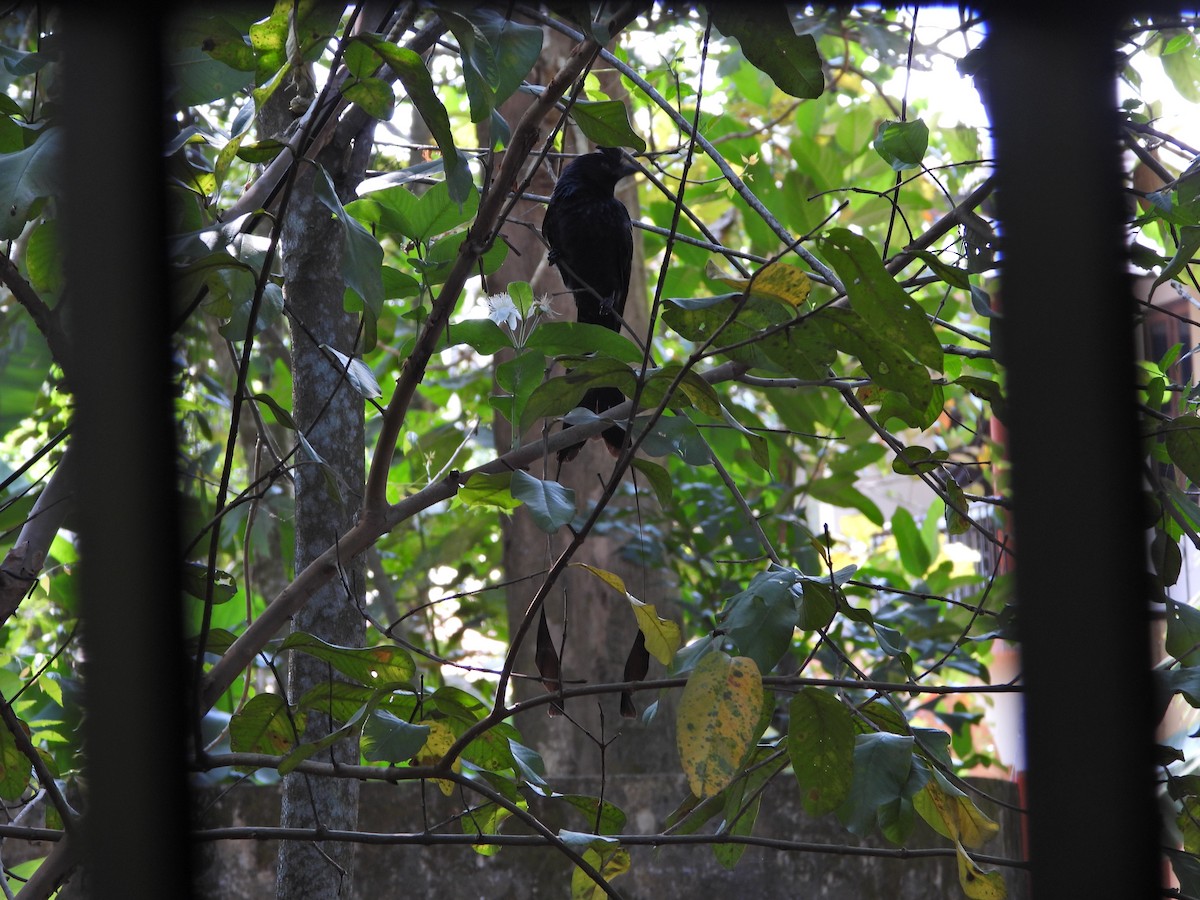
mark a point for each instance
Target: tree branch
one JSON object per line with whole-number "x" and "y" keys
{"x": 27, "y": 556}
{"x": 45, "y": 318}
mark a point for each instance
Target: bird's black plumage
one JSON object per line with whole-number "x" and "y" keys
{"x": 591, "y": 243}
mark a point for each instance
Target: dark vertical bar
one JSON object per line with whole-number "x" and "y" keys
{"x": 135, "y": 829}
{"x": 1083, "y": 604}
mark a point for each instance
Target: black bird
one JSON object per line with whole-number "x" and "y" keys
{"x": 591, "y": 242}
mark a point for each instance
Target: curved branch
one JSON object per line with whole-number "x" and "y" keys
{"x": 45, "y": 318}
{"x": 24, "y": 561}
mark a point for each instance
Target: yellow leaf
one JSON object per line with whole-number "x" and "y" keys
{"x": 440, "y": 739}
{"x": 662, "y": 635}
{"x": 976, "y": 883}
{"x": 610, "y": 865}
{"x": 778, "y": 281}
{"x": 613, "y": 581}
{"x": 718, "y": 715}
{"x": 974, "y": 828}
{"x": 956, "y": 816}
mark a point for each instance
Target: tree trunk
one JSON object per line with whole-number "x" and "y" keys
{"x": 328, "y": 494}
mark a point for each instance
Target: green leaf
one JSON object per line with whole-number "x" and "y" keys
{"x": 915, "y": 555}
{"x": 530, "y": 764}
{"x": 986, "y": 390}
{"x": 15, "y": 768}
{"x": 515, "y": 49}
{"x": 398, "y": 211}
{"x": 262, "y": 725}
{"x": 612, "y": 818}
{"x": 659, "y": 478}
{"x": 1166, "y": 557}
{"x": 882, "y": 303}
{"x": 490, "y": 491}
{"x": 551, "y": 505}
{"x": 760, "y": 619}
{"x": 373, "y": 94}
{"x": 28, "y": 175}
{"x": 282, "y": 416}
{"x": 759, "y": 449}
{"x": 487, "y": 818}
{"x": 357, "y": 372}
{"x": 610, "y": 862}
{"x": 742, "y": 801}
{"x": 1182, "y": 442}
{"x": 573, "y": 338}
{"x": 562, "y": 393}
{"x": 1183, "y": 633}
{"x": 418, "y": 84}
{"x": 677, "y": 434}
{"x": 768, "y": 40}
{"x": 478, "y": 61}
{"x": 952, "y": 275}
{"x": 44, "y": 258}
{"x": 882, "y": 763}
{"x": 803, "y": 350}
{"x": 484, "y": 335}
{"x": 195, "y": 582}
{"x": 372, "y": 666}
{"x": 699, "y": 392}
{"x": 386, "y": 738}
{"x": 821, "y": 747}
{"x": 915, "y": 459}
{"x": 606, "y": 124}
{"x": 520, "y": 376}
{"x": 902, "y": 145}
{"x": 1183, "y": 68}
{"x": 1189, "y": 243}
{"x": 360, "y": 59}
{"x": 840, "y": 491}
{"x": 883, "y": 358}
{"x": 444, "y": 252}
{"x": 816, "y": 606}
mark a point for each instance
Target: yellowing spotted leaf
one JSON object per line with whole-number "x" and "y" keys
{"x": 440, "y": 739}
{"x": 976, "y": 883}
{"x": 716, "y": 724}
{"x": 953, "y": 814}
{"x": 777, "y": 281}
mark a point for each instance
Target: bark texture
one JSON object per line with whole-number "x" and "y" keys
{"x": 328, "y": 494}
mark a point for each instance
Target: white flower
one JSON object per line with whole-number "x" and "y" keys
{"x": 542, "y": 307}
{"x": 503, "y": 311}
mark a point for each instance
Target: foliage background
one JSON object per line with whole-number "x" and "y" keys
{"x": 787, "y": 198}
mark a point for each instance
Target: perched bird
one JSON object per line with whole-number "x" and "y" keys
{"x": 591, "y": 243}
